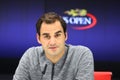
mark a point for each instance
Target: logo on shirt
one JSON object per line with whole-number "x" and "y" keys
{"x": 80, "y": 19}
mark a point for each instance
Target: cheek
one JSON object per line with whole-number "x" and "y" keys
{"x": 45, "y": 43}
{"x": 61, "y": 41}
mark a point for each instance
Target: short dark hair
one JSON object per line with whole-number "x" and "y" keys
{"x": 49, "y": 18}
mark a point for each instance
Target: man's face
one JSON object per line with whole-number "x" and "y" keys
{"x": 52, "y": 38}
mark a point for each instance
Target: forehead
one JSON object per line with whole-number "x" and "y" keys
{"x": 51, "y": 28}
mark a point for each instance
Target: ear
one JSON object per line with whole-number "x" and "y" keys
{"x": 38, "y": 38}
{"x": 66, "y": 36}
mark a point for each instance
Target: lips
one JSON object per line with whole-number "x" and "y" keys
{"x": 52, "y": 48}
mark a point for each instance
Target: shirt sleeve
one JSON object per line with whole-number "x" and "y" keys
{"x": 22, "y": 71}
{"x": 85, "y": 68}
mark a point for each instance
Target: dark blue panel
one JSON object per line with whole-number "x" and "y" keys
{"x": 17, "y": 26}
{"x": 18, "y": 19}
{"x": 103, "y": 39}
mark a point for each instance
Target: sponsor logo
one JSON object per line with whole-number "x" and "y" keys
{"x": 80, "y": 19}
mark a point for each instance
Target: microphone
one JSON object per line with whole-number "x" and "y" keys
{"x": 43, "y": 72}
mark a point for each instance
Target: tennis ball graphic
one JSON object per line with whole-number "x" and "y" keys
{"x": 83, "y": 12}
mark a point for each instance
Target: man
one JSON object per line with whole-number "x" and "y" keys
{"x": 55, "y": 60}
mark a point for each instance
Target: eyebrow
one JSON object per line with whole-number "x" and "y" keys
{"x": 55, "y": 33}
{"x": 58, "y": 32}
{"x": 45, "y": 33}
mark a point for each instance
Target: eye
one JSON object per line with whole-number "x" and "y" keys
{"x": 57, "y": 35}
{"x": 46, "y": 36}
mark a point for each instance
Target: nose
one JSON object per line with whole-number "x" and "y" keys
{"x": 52, "y": 41}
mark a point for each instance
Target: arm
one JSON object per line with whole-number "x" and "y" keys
{"x": 22, "y": 71}
{"x": 85, "y": 68}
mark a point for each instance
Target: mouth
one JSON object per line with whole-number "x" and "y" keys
{"x": 53, "y": 48}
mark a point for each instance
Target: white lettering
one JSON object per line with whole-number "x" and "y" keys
{"x": 78, "y": 20}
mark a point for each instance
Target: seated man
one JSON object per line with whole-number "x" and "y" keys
{"x": 55, "y": 60}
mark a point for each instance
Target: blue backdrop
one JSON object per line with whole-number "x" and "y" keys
{"x": 103, "y": 39}
{"x": 18, "y": 19}
{"x": 17, "y": 26}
